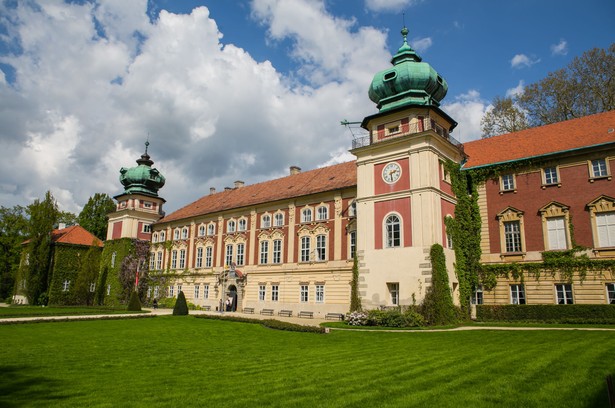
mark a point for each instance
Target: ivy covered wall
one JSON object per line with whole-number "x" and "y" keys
{"x": 68, "y": 261}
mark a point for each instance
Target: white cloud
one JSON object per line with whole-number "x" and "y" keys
{"x": 517, "y": 90}
{"x": 560, "y": 48}
{"x": 522, "y": 61}
{"x": 389, "y": 5}
{"x": 421, "y": 44}
{"x": 468, "y": 110}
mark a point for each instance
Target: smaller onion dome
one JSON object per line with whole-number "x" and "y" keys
{"x": 142, "y": 179}
{"x": 409, "y": 82}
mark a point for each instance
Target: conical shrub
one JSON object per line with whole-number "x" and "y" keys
{"x": 134, "y": 305}
{"x": 181, "y": 307}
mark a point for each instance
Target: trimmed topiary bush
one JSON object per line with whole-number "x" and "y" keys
{"x": 134, "y": 305}
{"x": 438, "y": 308}
{"x": 181, "y": 307}
{"x": 395, "y": 318}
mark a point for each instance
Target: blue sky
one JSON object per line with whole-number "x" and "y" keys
{"x": 241, "y": 90}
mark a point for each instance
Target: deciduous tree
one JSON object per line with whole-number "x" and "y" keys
{"x": 93, "y": 217}
{"x": 13, "y": 230}
{"x": 504, "y": 117}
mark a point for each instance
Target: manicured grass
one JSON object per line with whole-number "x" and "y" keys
{"x": 185, "y": 361}
{"x": 33, "y": 311}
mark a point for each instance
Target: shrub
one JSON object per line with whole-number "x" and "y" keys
{"x": 270, "y": 323}
{"x": 395, "y": 318}
{"x": 589, "y": 314}
{"x": 438, "y": 308}
{"x": 356, "y": 319}
{"x": 134, "y": 304}
{"x": 181, "y": 307}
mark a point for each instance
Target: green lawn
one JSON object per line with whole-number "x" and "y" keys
{"x": 34, "y": 311}
{"x": 183, "y": 361}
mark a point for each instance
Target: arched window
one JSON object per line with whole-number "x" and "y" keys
{"x": 211, "y": 229}
{"x": 278, "y": 220}
{"x": 322, "y": 214}
{"x": 184, "y": 233}
{"x": 230, "y": 226}
{"x": 266, "y": 221}
{"x": 162, "y": 236}
{"x": 176, "y": 234}
{"x": 155, "y": 238}
{"x": 306, "y": 215}
{"x": 393, "y": 231}
{"x": 201, "y": 230}
{"x": 242, "y": 224}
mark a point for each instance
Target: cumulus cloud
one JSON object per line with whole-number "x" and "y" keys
{"x": 560, "y": 48}
{"x": 421, "y": 44}
{"x": 468, "y": 110}
{"x": 389, "y": 5}
{"x": 522, "y": 61}
{"x": 516, "y": 91}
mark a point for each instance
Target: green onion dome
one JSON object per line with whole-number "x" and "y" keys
{"x": 143, "y": 178}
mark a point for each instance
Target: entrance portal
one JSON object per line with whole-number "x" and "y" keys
{"x": 232, "y": 293}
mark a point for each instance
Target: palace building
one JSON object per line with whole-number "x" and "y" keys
{"x": 289, "y": 243}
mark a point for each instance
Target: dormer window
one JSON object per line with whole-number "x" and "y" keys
{"x": 147, "y": 204}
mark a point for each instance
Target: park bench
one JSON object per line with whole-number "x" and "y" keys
{"x": 306, "y": 314}
{"x": 267, "y": 312}
{"x": 287, "y": 313}
{"x": 207, "y": 308}
{"x": 248, "y": 310}
{"x": 334, "y": 316}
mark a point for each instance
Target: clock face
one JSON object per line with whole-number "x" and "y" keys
{"x": 391, "y": 172}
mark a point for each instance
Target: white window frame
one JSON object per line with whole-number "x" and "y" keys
{"x": 599, "y": 168}
{"x": 320, "y": 293}
{"x": 304, "y": 294}
{"x": 242, "y": 224}
{"x": 517, "y": 294}
{"x": 230, "y": 226}
{"x": 199, "y": 257}
{"x": 557, "y": 236}
{"x": 508, "y": 183}
{"x": 550, "y": 176}
{"x": 202, "y": 230}
{"x": 277, "y": 251}
{"x": 176, "y": 234}
{"x": 393, "y": 231}
{"x": 182, "y": 258}
{"x": 163, "y": 236}
{"x": 171, "y": 291}
{"x": 185, "y": 233}
{"x": 275, "y": 293}
{"x": 159, "y": 261}
{"x": 478, "y": 295}
{"x": 352, "y": 238}
{"x": 610, "y": 293}
{"x": 65, "y": 285}
{"x": 228, "y": 255}
{"x": 306, "y": 215}
{"x": 205, "y": 291}
{"x": 564, "y": 294}
{"x": 605, "y": 229}
{"x": 321, "y": 248}
{"x": 393, "y": 288}
{"x": 179, "y": 289}
{"x": 512, "y": 237}
{"x": 209, "y": 251}
{"x": 147, "y": 228}
{"x": 262, "y": 291}
{"x": 240, "y": 256}
{"x": 278, "y": 219}
{"x": 152, "y": 260}
{"x": 322, "y": 213}
{"x": 211, "y": 229}
{"x": 304, "y": 249}
{"x": 266, "y": 221}
{"x": 174, "y": 259}
{"x": 264, "y": 252}
{"x": 197, "y": 289}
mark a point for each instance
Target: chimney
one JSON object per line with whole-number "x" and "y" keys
{"x": 239, "y": 184}
{"x": 212, "y": 190}
{"x": 227, "y": 189}
{"x": 294, "y": 170}
{"x": 61, "y": 226}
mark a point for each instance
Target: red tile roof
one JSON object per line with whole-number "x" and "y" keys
{"x": 572, "y": 134}
{"x": 329, "y": 178}
{"x": 75, "y": 235}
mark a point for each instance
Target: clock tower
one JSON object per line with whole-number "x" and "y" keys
{"x": 403, "y": 189}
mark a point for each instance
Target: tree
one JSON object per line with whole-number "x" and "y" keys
{"x": 584, "y": 87}
{"x": 93, "y": 217}
{"x": 13, "y": 230}
{"x": 134, "y": 305}
{"x": 67, "y": 218}
{"x": 504, "y": 117}
{"x": 43, "y": 216}
{"x": 438, "y": 308}
{"x": 181, "y": 307}
{"x": 355, "y": 298}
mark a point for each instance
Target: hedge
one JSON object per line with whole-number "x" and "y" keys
{"x": 270, "y": 323}
{"x": 590, "y": 314}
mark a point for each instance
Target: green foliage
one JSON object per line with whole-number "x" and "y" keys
{"x": 395, "y": 318}
{"x": 438, "y": 308}
{"x": 43, "y": 216}
{"x": 505, "y": 117}
{"x": 88, "y": 275}
{"x": 167, "y": 302}
{"x": 67, "y": 262}
{"x": 355, "y": 298}
{"x": 121, "y": 257}
{"x": 99, "y": 296}
{"x": 134, "y": 305}
{"x": 577, "y": 314}
{"x": 93, "y": 217}
{"x": 270, "y": 323}
{"x": 67, "y": 218}
{"x": 13, "y": 227}
{"x": 181, "y": 307}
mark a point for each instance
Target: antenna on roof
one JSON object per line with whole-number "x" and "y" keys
{"x": 355, "y": 128}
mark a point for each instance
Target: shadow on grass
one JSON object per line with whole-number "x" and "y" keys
{"x": 19, "y": 388}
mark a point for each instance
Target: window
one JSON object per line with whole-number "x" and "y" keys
{"x": 266, "y": 221}
{"x": 550, "y": 175}
{"x": 182, "y": 259}
{"x": 211, "y": 229}
{"x": 147, "y": 204}
{"x": 306, "y": 215}
{"x": 155, "y": 237}
{"x": 242, "y": 225}
{"x": 92, "y": 287}
{"x": 605, "y": 226}
{"x": 184, "y": 233}
{"x": 507, "y": 182}
{"x": 176, "y": 234}
{"x": 156, "y": 291}
{"x": 599, "y": 168}
{"x": 171, "y": 291}
{"x": 277, "y": 251}
{"x": 208, "y": 256}
{"x": 152, "y": 260}
{"x": 352, "y": 209}
{"x": 108, "y": 289}
{"x": 322, "y": 214}
{"x": 240, "y": 253}
{"x": 174, "y": 259}
{"x": 321, "y": 247}
{"x": 517, "y": 294}
{"x": 205, "y": 291}
{"x": 264, "y": 255}
{"x": 275, "y": 293}
{"x": 229, "y": 255}
{"x": 556, "y": 230}
{"x": 197, "y": 289}
{"x": 305, "y": 249}
{"x": 477, "y": 296}
{"x": 610, "y": 293}
{"x": 353, "y": 243}
{"x": 261, "y": 293}
{"x": 159, "y": 261}
{"x": 320, "y": 293}
{"x": 512, "y": 236}
{"x": 147, "y": 228}
{"x": 394, "y": 293}
{"x": 113, "y": 256}
{"x": 393, "y": 231}
{"x": 199, "y": 257}
{"x": 278, "y": 220}
{"x": 201, "y": 230}
{"x": 230, "y": 227}
{"x": 179, "y": 289}
{"x": 304, "y": 293}
{"x": 163, "y": 236}
{"x": 564, "y": 294}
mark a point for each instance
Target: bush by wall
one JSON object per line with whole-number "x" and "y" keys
{"x": 395, "y": 318}
{"x": 134, "y": 304}
{"x": 438, "y": 308}
{"x": 590, "y": 314}
{"x": 270, "y": 323}
{"x": 181, "y": 307}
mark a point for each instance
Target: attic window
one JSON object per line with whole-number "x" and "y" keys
{"x": 390, "y": 75}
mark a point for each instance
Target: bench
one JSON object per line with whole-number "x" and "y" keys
{"x": 248, "y": 310}
{"x": 287, "y": 313}
{"x": 267, "y": 312}
{"x": 306, "y": 314}
{"x": 334, "y": 316}
{"x": 207, "y": 308}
